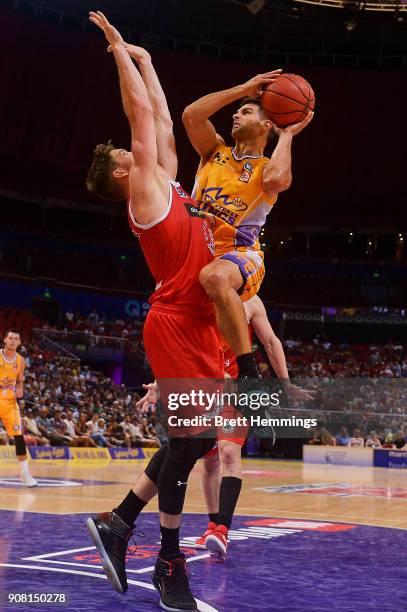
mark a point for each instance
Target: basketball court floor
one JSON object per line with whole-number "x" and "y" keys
{"x": 306, "y": 538}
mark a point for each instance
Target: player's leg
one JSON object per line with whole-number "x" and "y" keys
{"x": 211, "y": 478}
{"x": 111, "y": 531}
{"x": 170, "y": 578}
{"x": 222, "y": 280}
{"x": 230, "y": 487}
{"x": 10, "y": 415}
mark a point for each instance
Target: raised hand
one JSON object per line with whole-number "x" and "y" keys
{"x": 296, "y": 128}
{"x": 113, "y": 36}
{"x": 255, "y": 85}
{"x": 137, "y": 53}
{"x": 149, "y": 398}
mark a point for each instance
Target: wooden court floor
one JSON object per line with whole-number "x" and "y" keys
{"x": 289, "y": 489}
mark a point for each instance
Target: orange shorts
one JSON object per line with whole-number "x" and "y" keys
{"x": 10, "y": 417}
{"x": 251, "y": 266}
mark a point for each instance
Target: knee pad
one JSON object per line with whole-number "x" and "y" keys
{"x": 182, "y": 454}
{"x": 21, "y": 448}
{"x": 155, "y": 464}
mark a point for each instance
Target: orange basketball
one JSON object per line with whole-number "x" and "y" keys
{"x": 288, "y": 99}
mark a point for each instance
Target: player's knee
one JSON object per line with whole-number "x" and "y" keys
{"x": 155, "y": 464}
{"x": 21, "y": 448}
{"x": 211, "y": 464}
{"x": 215, "y": 281}
{"x": 230, "y": 454}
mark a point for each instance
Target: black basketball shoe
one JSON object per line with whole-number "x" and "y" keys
{"x": 170, "y": 578}
{"x": 249, "y": 390}
{"x": 111, "y": 535}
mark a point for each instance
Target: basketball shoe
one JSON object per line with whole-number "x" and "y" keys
{"x": 28, "y": 480}
{"x": 170, "y": 578}
{"x": 200, "y": 542}
{"x": 110, "y": 535}
{"x": 217, "y": 541}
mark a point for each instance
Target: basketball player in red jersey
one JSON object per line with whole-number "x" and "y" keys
{"x": 225, "y": 458}
{"x": 180, "y": 333}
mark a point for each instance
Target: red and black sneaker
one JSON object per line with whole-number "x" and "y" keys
{"x": 200, "y": 542}
{"x": 110, "y": 535}
{"x": 170, "y": 578}
{"x": 217, "y": 541}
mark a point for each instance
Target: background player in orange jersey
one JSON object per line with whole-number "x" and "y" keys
{"x": 237, "y": 187}
{"x": 12, "y": 367}
{"x": 222, "y": 466}
{"x": 180, "y": 333}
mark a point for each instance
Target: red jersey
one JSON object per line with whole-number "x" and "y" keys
{"x": 176, "y": 247}
{"x": 229, "y": 358}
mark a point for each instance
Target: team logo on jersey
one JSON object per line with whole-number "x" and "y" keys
{"x": 220, "y": 158}
{"x": 247, "y": 171}
{"x": 228, "y": 428}
{"x": 214, "y": 195}
{"x": 193, "y": 211}
{"x": 181, "y": 192}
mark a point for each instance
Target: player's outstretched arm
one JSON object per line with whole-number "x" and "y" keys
{"x": 166, "y": 150}
{"x": 277, "y": 175}
{"x": 275, "y": 350}
{"x": 195, "y": 117}
{"x": 145, "y": 206}
{"x": 266, "y": 335}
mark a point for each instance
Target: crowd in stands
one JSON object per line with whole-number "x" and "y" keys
{"x": 67, "y": 403}
{"x": 375, "y": 439}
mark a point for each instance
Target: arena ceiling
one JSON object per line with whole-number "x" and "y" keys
{"x": 320, "y": 32}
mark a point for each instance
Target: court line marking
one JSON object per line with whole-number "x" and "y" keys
{"x": 46, "y": 559}
{"x": 202, "y": 606}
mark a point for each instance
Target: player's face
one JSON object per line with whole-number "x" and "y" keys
{"x": 12, "y": 341}
{"x": 247, "y": 122}
{"x": 123, "y": 159}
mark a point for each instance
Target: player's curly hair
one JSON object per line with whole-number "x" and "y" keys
{"x": 257, "y": 102}
{"x": 100, "y": 179}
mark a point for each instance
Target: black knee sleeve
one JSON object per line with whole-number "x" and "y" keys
{"x": 155, "y": 464}
{"x": 181, "y": 456}
{"x": 21, "y": 448}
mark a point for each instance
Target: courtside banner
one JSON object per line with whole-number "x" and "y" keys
{"x": 90, "y": 454}
{"x": 7, "y": 453}
{"x": 389, "y": 458}
{"x": 339, "y": 455}
{"x": 50, "y": 452}
{"x": 148, "y": 452}
{"x": 126, "y": 453}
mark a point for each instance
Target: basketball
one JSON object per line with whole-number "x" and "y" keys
{"x": 288, "y": 99}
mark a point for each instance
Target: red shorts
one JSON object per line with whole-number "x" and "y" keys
{"x": 183, "y": 345}
{"x": 231, "y": 433}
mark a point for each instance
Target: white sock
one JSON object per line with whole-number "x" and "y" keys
{"x": 24, "y": 465}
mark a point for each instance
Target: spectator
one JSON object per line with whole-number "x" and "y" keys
{"x": 82, "y": 431}
{"x": 357, "y": 440}
{"x": 343, "y": 438}
{"x": 46, "y": 427}
{"x": 373, "y": 440}
{"x": 99, "y": 436}
{"x": 31, "y": 428}
{"x": 399, "y": 440}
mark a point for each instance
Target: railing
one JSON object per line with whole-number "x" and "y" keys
{"x": 81, "y": 338}
{"x": 45, "y": 341}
